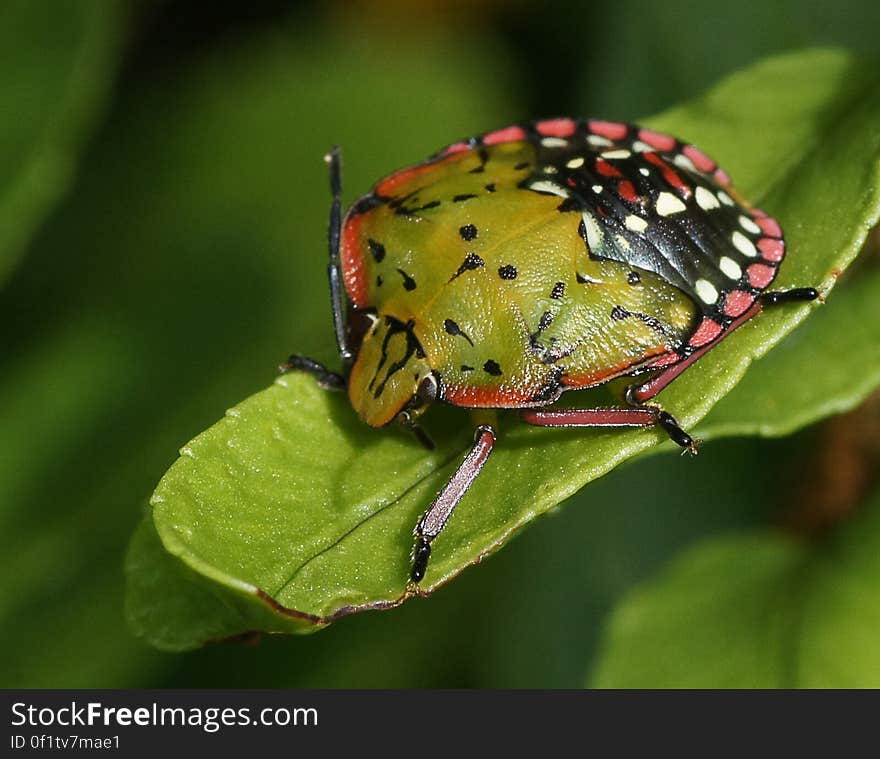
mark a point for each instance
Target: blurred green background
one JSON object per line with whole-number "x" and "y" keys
{"x": 163, "y": 205}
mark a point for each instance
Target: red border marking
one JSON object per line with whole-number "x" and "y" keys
{"x": 456, "y": 147}
{"x": 667, "y": 360}
{"x": 353, "y": 260}
{"x": 663, "y": 142}
{"x": 760, "y": 275}
{"x": 389, "y": 185}
{"x": 699, "y": 158}
{"x": 610, "y": 129}
{"x": 556, "y": 127}
{"x": 737, "y": 302}
{"x": 471, "y": 396}
{"x": 508, "y": 134}
{"x": 708, "y": 330}
{"x": 771, "y": 249}
{"x": 770, "y": 226}
{"x": 722, "y": 177}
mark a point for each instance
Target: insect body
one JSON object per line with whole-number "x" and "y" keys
{"x": 536, "y": 259}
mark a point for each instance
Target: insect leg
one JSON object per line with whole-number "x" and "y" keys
{"x": 326, "y": 379}
{"x": 637, "y": 416}
{"x": 334, "y": 267}
{"x": 435, "y": 518}
{"x": 795, "y": 295}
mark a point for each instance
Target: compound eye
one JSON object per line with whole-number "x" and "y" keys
{"x": 427, "y": 390}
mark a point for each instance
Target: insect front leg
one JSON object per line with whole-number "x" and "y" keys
{"x": 327, "y": 379}
{"x": 434, "y": 519}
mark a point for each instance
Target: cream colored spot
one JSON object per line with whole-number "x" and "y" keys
{"x": 645, "y": 172}
{"x": 686, "y": 163}
{"x": 642, "y": 147}
{"x": 554, "y": 142}
{"x": 706, "y": 290}
{"x": 706, "y": 200}
{"x": 730, "y": 267}
{"x": 635, "y": 223}
{"x": 616, "y": 154}
{"x": 747, "y": 224}
{"x": 668, "y": 204}
{"x": 542, "y": 185}
{"x": 550, "y": 169}
{"x": 599, "y": 141}
{"x": 725, "y": 198}
{"x": 744, "y": 245}
{"x": 594, "y": 232}
{"x": 597, "y": 188}
{"x": 575, "y": 163}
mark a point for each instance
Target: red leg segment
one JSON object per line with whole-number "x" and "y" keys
{"x": 435, "y": 518}
{"x": 591, "y": 417}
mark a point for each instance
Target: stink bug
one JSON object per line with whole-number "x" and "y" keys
{"x": 535, "y": 259}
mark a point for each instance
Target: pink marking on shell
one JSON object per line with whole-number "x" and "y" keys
{"x": 722, "y": 177}
{"x": 759, "y": 214}
{"x": 508, "y": 134}
{"x": 770, "y": 226}
{"x": 663, "y": 142}
{"x": 458, "y": 147}
{"x": 737, "y": 302}
{"x": 610, "y": 129}
{"x": 771, "y": 249}
{"x": 556, "y": 127}
{"x": 699, "y": 158}
{"x": 671, "y": 358}
{"x": 708, "y": 330}
{"x": 760, "y": 275}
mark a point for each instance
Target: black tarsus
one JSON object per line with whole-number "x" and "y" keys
{"x": 795, "y": 295}
{"x": 334, "y": 267}
{"x": 665, "y": 421}
{"x": 421, "y": 554}
{"x": 326, "y": 378}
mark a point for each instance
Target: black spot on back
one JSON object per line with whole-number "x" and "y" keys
{"x": 491, "y": 367}
{"x": 408, "y": 282}
{"x": 452, "y": 328}
{"x": 545, "y": 321}
{"x": 468, "y": 232}
{"x": 377, "y": 249}
{"x": 633, "y": 278}
{"x": 558, "y": 290}
{"x": 490, "y": 187}
{"x": 507, "y": 272}
{"x": 471, "y": 261}
{"x": 466, "y": 368}
{"x": 618, "y": 313}
{"x": 521, "y": 166}
{"x": 460, "y": 198}
{"x": 378, "y": 280}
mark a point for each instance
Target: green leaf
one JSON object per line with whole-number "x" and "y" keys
{"x": 756, "y": 610}
{"x": 292, "y": 498}
{"x": 56, "y": 67}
